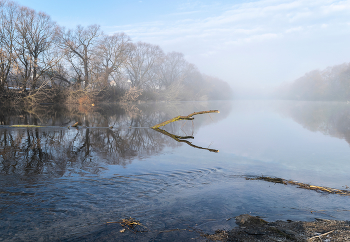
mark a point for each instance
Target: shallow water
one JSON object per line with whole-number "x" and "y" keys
{"x": 59, "y": 183}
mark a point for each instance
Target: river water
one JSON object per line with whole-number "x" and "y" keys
{"x": 75, "y": 184}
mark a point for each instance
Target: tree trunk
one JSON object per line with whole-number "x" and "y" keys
{"x": 86, "y": 69}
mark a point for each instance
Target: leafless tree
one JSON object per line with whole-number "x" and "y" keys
{"x": 8, "y": 12}
{"x": 110, "y": 56}
{"x": 174, "y": 68}
{"x": 37, "y": 39}
{"x": 35, "y": 52}
{"x": 141, "y": 64}
{"x": 79, "y": 47}
{"x": 173, "y": 71}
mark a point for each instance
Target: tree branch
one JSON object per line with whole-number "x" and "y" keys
{"x": 188, "y": 117}
{"x": 182, "y": 139}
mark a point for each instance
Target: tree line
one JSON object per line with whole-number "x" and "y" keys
{"x": 330, "y": 84}
{"x": 42, "y": 61}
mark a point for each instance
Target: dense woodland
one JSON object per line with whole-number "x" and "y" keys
{"x": 43, "y": 62}
{"x": 331, "y": 84}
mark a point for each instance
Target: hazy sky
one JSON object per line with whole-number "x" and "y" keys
{"x": 246, "y": 43}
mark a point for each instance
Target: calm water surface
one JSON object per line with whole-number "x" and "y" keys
{"x": 60, "y": 183}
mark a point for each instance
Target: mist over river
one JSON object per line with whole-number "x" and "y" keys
{"x": 63, "y": 183}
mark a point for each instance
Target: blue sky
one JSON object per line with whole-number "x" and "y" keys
{"x": 246, "y": 43}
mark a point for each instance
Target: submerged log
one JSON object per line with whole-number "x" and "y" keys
{"x": 188, "y": 117}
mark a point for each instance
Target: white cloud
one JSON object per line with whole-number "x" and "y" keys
{"x": 294, "y": 29}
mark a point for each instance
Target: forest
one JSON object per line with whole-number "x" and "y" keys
{"x": 42, "y": 62}
{"x": 330, "y": 84}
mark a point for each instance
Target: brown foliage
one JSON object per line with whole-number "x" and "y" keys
{"x": 85, "y": 100}
{"x": 131, "y": 95}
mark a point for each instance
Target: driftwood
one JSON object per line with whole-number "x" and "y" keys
{"x": 319, "y": 236}
{"x": 76, "y": 125}
{"x": 24, "y": 126}
{"x": 188, "y": 117}
{"x": 183, "y": 139}
{"x": 301, "y": 185}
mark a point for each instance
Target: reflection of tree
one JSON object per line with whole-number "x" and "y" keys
{"x": 330, "y": 118}
{"x": 24, "y": 152}
{"x": 56, "y": 151}
{"x": 52, "y": 151}
{"x": 331, "y": 83}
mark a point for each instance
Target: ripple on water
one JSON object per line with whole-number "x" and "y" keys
{"x": 199, "y": 198}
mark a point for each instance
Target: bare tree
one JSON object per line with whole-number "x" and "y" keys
{"x": 141, "y": 63}
{"x": 79, "y": 47}
{"x": 35, "y": 51}
{"x": 110, "y": 56}
{"x": 37, "y": 39}
{"x": 173, "y": 69}
{"x": 8, "y": 12}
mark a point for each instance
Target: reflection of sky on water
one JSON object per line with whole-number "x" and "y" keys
{"x": 277, "y": 142}
{"x": 177, "y": 185}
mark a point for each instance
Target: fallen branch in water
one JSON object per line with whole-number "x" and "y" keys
{"x": 76, "y": 124}
{"x": 24, "y": 126}
{"x": 301, "y": 185}
{"x": 182, "y": 139}
{"x": 188, "y": 117}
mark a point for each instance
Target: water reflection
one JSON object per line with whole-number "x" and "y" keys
{"x": 110, "y": 135}
{"x": 173, "y": 187}
{"x": 183, "y": 139}
{"x": 329, "y": 118}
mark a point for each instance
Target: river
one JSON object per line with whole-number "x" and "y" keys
{"x": 63, "y": 183}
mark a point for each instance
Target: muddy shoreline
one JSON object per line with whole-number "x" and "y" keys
{"x": 253, "y": 228}
{"x": 249, "y": 229}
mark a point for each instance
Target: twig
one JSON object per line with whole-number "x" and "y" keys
{"x": 319, "y": 236}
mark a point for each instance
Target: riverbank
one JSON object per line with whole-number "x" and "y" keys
{"x": 253, "y": 228}
{"x": 249, "y": 229}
